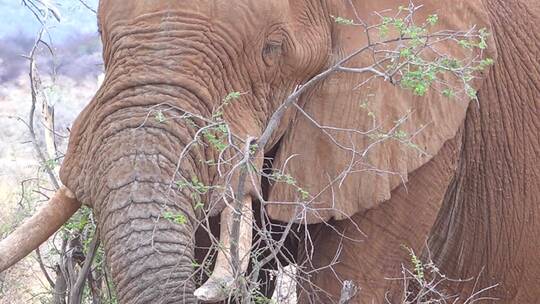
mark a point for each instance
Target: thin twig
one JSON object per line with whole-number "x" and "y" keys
{"x": 34, "y": 92}
{"x": 88, "y": 6}
{"x": 43, "y": 268}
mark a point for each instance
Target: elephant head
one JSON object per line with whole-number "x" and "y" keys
{"x": 176, "y": 57}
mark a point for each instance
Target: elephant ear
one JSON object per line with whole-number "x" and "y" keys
{"x": 337, "y": 172}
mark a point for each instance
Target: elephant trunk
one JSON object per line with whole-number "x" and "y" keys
{"x": 147, "y": 226}
{"x": 128, "y": 143}
{"x": 150, "y": 256}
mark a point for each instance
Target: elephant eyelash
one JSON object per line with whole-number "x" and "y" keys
{"x": 274, "y": 42}
{"x": 272, "y": 47}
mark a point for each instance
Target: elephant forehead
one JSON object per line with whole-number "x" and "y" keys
{"x": 235, "y": 12}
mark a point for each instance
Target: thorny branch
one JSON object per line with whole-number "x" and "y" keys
{"x": 43, "y": 269}
{"x": 42, "y": 10}
{"x": 35, "y": 88}
{"x": 423, "y": 283}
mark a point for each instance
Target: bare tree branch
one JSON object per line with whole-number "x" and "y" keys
{"x": 88, "y": 6}
{"x": 35, "y": 91}
{"x": 77, "y": 289}
{"x": 43, "y": 269}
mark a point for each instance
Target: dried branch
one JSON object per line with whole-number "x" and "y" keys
{"x": 88, "y": 6}
{"x": 35, "y": 91}
{"x": 43, "y": 269}
{"x": 42, "y": 10}
{"x": 77, "y": 288}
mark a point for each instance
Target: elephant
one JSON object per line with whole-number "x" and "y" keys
{"x": 470, "y": 201}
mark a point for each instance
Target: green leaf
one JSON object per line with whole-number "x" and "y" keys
{"x": 51, "y": 163}
{"x": 343, "y": 21}
{"x": 432, "y": 19}
{"x": 400, "y": 134}
{"x": 216, "y": 140}
{"x": 383, "y": 30}
{"x": 177, "y": 218}
{"x": 400, "y": 24}
{"x": 277, "y": 176}
{"x": 486, "y": 62}
{"x": 484, "y": 34}
{"x": 160, "y": 117}
{"x": 405, "y": 52}
{"x": 418, "y": 266}
{"x": 253, "y": 148}
{"x": 199, "y": 186}
{"x": 471, "y": 92}
{"x": 232, "y": 96}
{"x": 448, "y": 93}
{"x": 304, "y": 195}
{"x": 465, "y": 44}
{"x": 420, "y": 89}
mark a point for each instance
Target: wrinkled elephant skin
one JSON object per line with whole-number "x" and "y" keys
{"x": 473, "y": 199}
{"x": 485, "y": 215}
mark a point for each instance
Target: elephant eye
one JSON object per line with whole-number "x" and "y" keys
{"x": 272, "y": 52}
{"x": 272, "y": 47}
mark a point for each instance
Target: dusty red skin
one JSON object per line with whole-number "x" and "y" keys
{"x": 487, "y": 216}
{"x": 191, "y": 54}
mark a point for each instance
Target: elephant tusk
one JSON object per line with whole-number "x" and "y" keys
{"x": 219, "y": 285}
{"x": 37, "y": 229}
